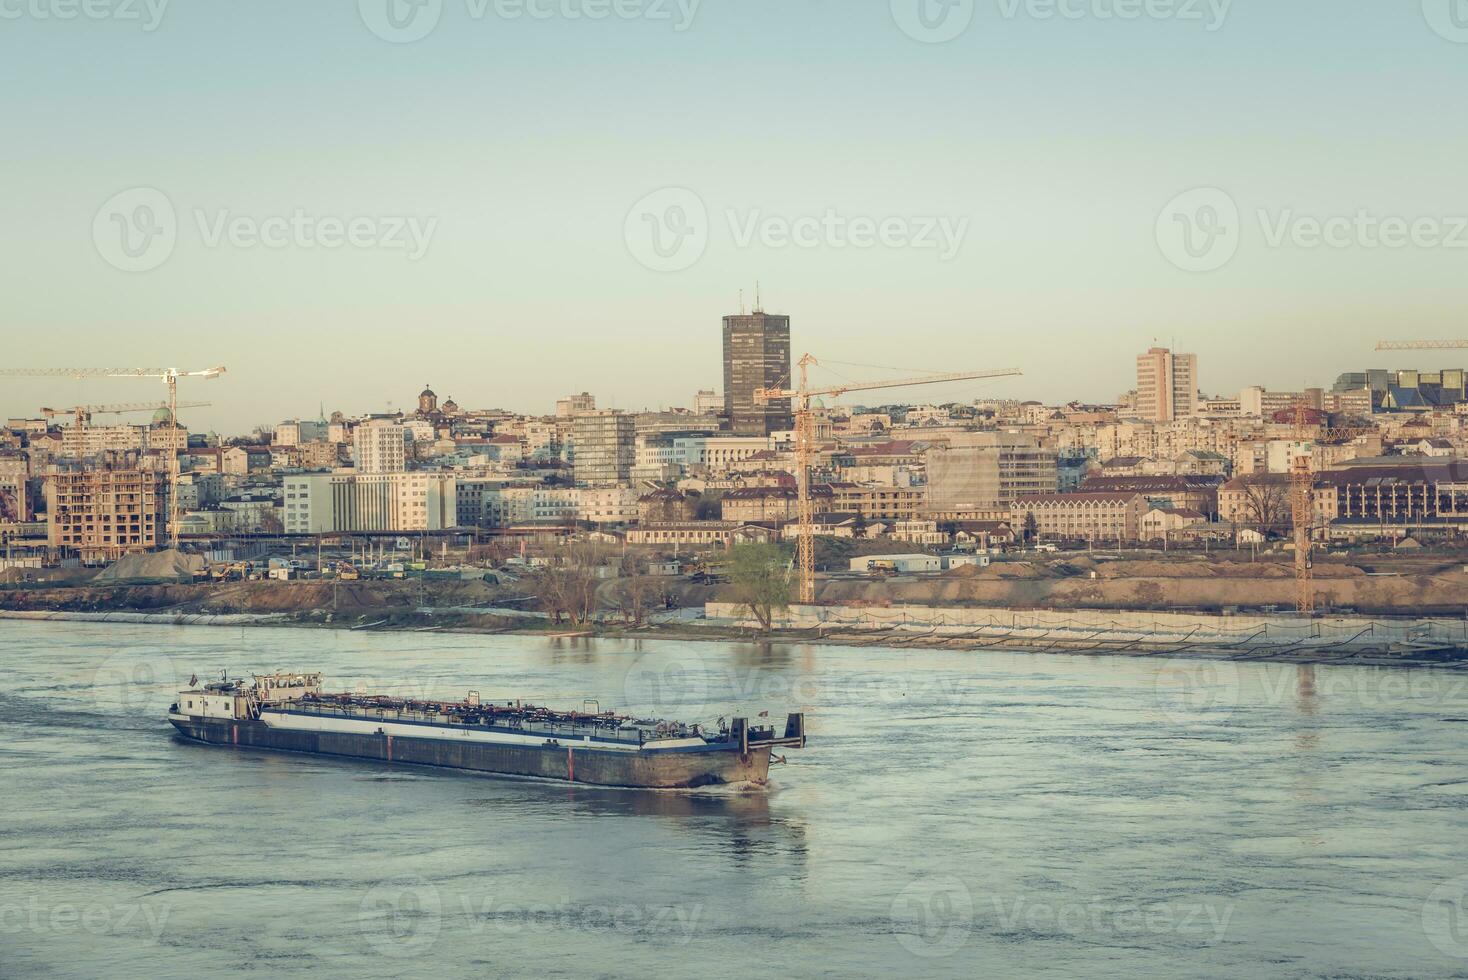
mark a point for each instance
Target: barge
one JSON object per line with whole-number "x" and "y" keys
{"x": 292, "y": 713}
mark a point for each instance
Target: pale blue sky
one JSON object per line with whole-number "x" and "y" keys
{"x": 1059, "y": 141}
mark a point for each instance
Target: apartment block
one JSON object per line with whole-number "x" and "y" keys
{"x": 380, "y": 447}
{"x": 605, "y": 445}
{"x": 14, "y": 498}
{"x": 1167, "y": 385}
{"x": 1083, "y": 516}
{"x": 986, "y": 471}
{"x": 104, "y": 513}
{"x": 878, "y": 503}
{"x": 326, "y": 503}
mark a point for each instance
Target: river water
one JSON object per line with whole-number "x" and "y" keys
{"x": 956, "y": 814}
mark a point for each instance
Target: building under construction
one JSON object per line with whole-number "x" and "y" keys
{"x": 102, "y": 512}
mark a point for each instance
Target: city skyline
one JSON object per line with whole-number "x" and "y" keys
{"x": 25, "y": 397}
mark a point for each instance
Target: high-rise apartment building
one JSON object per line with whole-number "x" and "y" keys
{"x": 756, "y": 355}
{"x": 605, "y": 445}
{"x": 379, "y": 447}
{"x": 1167, "y": 385}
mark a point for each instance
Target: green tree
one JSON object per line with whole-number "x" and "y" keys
{"x": 1031, "y": 527}
{"x": 759, "y": 578}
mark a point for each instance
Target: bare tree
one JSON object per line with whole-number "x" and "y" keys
{"x": 1266, "y": 503}
{"x": 634, "y": 592}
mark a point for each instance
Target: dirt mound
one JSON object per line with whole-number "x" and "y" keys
{"x": 46, "y": 576}
{"x": 161, "y": 566}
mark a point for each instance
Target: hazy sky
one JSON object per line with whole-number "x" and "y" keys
{"x": 1007, "y": 197}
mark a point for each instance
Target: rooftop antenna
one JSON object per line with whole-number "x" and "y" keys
{"x": 741, "y": 302}
{"x": 758, "y": 307}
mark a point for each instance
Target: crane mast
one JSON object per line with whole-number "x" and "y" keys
{"x": 805, "y": 448}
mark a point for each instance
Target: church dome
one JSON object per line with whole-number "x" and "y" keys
{"x": 162, "y": 417}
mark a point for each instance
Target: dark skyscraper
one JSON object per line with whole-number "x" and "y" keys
{"x": 756, "y": 355}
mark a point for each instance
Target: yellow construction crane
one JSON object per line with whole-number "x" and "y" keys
{"x": 1302, "y": 497}
{"x": 84, "y": 413}
{"x": 1387, "y": 345}
{"x": 805, "y": 439}
{"x": 169, "y": 376}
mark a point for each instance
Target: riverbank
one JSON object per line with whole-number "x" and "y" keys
{"x": 1294, "y": 642}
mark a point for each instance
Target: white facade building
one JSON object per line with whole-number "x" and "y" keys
{"x": 325, "y": 503}
{"x": 379, "y": 447}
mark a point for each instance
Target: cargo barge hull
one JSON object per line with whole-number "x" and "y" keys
{"x": 568, "y": 762}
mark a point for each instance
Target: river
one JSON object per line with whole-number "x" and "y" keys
{"x": 956, "y": 814}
